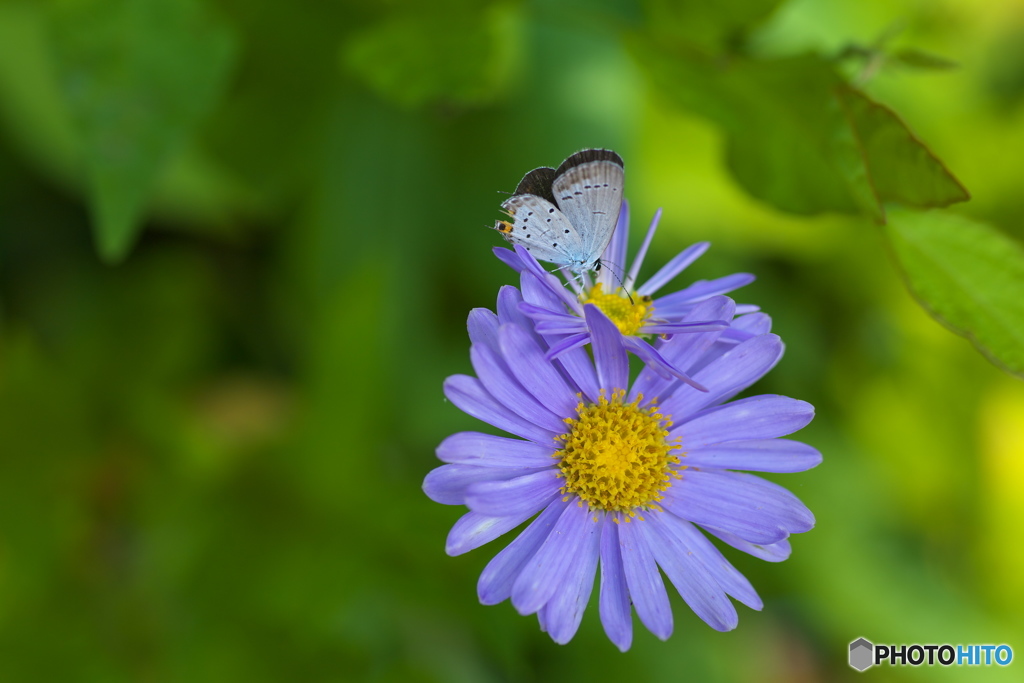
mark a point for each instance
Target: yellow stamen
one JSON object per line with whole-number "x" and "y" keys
{"x": 628, "y": 316}
{"x": 617, "y": 456}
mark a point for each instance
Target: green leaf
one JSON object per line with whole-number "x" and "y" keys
{"x": 36, "y": 120}
{"x": 919, "y": 59}
{"x": 899, "y": 166}
{"x": 138, "y": 78}
{"x": 437, "y": 55}
{"x": 799, "y": 137}
{"x": 969, "y": 276}
{"x": 775, "y": 116}
{"x": 709, "y": 26}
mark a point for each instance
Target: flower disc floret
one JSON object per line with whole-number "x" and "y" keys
{"x": 617, "y": 456}
{"x": 628, "y": 314}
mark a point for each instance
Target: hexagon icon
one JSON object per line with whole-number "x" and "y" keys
{"x": 861, "y": 654}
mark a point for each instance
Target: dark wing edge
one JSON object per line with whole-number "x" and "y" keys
{"x": 583, "y": 157}
{"x": 538, "y": 182}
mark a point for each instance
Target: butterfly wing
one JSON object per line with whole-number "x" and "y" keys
{"x": 538, "y": 182}
{"x": 588, "y": 190}
{"x": 538, "y": 225}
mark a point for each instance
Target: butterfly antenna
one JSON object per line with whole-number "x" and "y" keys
{"x": 622, "y": 285}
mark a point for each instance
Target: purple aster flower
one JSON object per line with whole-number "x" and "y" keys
{"x": 626, "y": 476}
{"x": 634, "y": 310}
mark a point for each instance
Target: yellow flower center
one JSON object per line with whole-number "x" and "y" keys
{"x": 628, "y": 316}
{"x": 616, "y": 456}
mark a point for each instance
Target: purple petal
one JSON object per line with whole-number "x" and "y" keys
{"x": 614, "y": 598}
{"x": 512, "y": 497}
{"x": 615, "y": 253}
{"x": 658, "y": 363}
{"x": 509, "y": 258}
{"x": 653, "y": 361}
{"x": 499, "y": 575}
{"x": 758, "y": 417}
{"x": 720, "y": 569}
{"x": 580, "y": 368}
{"x": 483, "y": 327}
{"x": 544, "y": 572}
{"x": 690, "y": 577}
{"x": 469, "y": 396}
{"x": 448, "y": 484}
{"x": 759, "y": 455}
{"x": 646, "y": 588}
{"x": 680, "y": 327}
{"x": 573, "y": 341}
{"x": 539, "y": 293}
{"x": 726, "y": 376}
{"x": 729, "y": 340}
{"x": 474, "y": 530}
{"x": 585, "y": 279}
{"x": 673, "y": 268}
{"x": 567, "y": 325}
{"x": 776, "y": 552}
{"x": 703, "y": 289}
{"x": 509, "y": 299}
{"x": 743, "y": 328}
{"x": 500, "y": 383}
{"x": 563, "y": 613}
{"x": 543, "y": 314}
{"x": 537, "y": 374}
{"x": 534, "y": 267}
{"x": 609, "y": 353}
{"x": 754, "y": 509}
{"x": 474, "y": 448}
{"x": 570, "y": 279}
{"x": 755, "y": 323}
{"x": 634, "y": 271}
{"x": 747, "y": 309}
{"x": 683, "y": 350}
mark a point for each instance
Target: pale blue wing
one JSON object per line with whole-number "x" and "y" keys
{"x": 590, "y": 196}
{"x": 540, "y": 227}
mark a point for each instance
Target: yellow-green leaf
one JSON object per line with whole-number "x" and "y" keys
{"x": 969, "y": 276}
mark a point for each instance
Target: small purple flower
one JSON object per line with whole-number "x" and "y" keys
{"x": 624, "y": 475}
{"x": 634, "y": 311}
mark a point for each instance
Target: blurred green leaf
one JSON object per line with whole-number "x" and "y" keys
{"x": 800, "y": 138}
{"x": 437, "y": 55}
{"x": 38, "y": 122}
{"x": 969, "y": 276}
{"x": 138, "y": 77}
{"x": 776, "y": 119}
{"x": 919, "y": 59}
{"x": 268, "y": 131}
{"x": 709, "y": 26}
{"x": 899, "y": 166}
{"x": 877, "y": 58}
{"x": 1003, "y": 80}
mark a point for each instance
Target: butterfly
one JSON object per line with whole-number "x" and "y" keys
{"x": 567, "y": 215}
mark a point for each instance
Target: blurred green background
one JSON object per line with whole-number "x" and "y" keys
{"x": 238, "y": 244}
